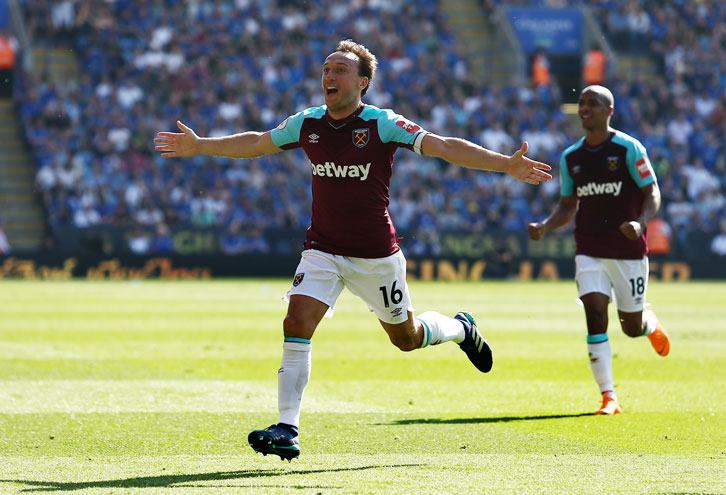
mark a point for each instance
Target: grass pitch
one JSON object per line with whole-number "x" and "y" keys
{"x": 151, "y": 387}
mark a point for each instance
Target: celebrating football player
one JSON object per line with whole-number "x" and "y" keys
{"x": 351, "y": 241}
{"x": 607, "y": 180}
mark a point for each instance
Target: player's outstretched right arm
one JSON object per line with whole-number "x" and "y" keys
{"x": 186, "y": 143}
{"x": 562, "y": 214}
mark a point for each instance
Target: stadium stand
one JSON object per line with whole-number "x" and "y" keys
{"x": 223, "y": 66}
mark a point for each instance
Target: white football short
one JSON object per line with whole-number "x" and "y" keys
{"x": 380, "y": 282}
{"x": 627, "y": 280}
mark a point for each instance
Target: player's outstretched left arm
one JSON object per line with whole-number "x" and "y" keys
{"x": 467, "y": 154}
{"x": 248, "y": 144}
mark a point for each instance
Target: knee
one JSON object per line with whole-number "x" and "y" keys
{"x": 597, "y": 322}
{"x": 632, "y": 330}
{"x": 294, "y": 326}
{"x": 632, "y": 327}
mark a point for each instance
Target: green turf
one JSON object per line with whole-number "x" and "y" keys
{"x": 151, "y": 387}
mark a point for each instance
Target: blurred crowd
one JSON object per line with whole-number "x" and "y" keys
{"x": 223, "y": 66}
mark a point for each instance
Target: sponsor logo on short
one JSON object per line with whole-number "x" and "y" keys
{"x": 330, "y": 169}
{"x": 298, "y": 279}
{"x": 613, "y": 163}
{"x": 313, "y": 138}
{"x": 643, "y": 167}
{"x": 396, "y": 311}
{"x": 360, "y": 137}
{"x": 598, "y": 189}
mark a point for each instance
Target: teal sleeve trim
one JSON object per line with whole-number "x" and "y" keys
{"x": 636, "y": 159}
{"x": 288, "y": 131}
{"x": 295, "y": 339}
{"x": 567, "y": 186}
{"x": 391, "y": 126}
{"x": 597, "y": 339}
{"x": 427, "y": 334}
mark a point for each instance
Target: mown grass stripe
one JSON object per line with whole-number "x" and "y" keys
{"x": 117, "y": 387}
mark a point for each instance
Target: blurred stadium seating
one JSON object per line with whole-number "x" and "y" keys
{"x": 106, "y": 76}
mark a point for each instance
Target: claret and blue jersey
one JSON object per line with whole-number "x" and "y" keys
{"x": 607, "y": 181}
{"x": 351, "y": 161}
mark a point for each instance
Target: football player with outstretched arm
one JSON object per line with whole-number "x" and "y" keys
{"x": 351, "y": 241}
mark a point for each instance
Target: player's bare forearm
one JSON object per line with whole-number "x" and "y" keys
{"x": 561, "y": 215}
{"x": 651, "y": 203}
{"x": 467, "y": 154}
{"x": 186, "y": 143}
{"x": 248, "y": 144}
{"x": 464, "y": 153}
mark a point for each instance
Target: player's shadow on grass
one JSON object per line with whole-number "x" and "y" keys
{"x": 188, "y": 480}
{"x": 498, "y": 419}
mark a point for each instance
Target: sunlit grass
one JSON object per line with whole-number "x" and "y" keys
{"x": 121, "y": 387}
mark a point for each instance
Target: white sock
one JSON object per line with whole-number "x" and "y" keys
{"x": 439, "y": 328}
{"x": 292, "y": 378}
{"x": 601, "y": 361}
{"x": 650, "y": 322}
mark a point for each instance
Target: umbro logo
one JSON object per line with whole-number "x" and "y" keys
{"x": 313, "y": 138}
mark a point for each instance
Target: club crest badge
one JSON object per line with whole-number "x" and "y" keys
{"x": 613, "y": 163}
{"x": 298, "y": 279}
{"x": 360, "y": 137}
